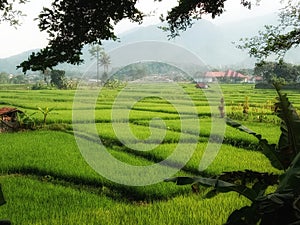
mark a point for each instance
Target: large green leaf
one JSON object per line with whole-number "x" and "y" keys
{"x": 277, "y": 209}
{"x": 218, "y": 185}
{"x": 245, "y": 215}
{"x": 249, "y": 177}
{"x": 289, "y": 141}
{"x": 182, "y": 180}
{"x": 290, "y": 180}
{"x": 269, "y": 150}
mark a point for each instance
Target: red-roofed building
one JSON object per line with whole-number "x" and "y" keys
{"x": 233, "y": 74}
{"x": 229, "y": 75}
{"x": 215, "y": 74}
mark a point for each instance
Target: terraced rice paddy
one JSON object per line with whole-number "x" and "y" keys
{"x": 46, "y": 180}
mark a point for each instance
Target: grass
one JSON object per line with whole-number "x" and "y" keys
{"x": 42, "y": 202}
{"x": 63, "y": 162}
{"x": 46, "y": 180}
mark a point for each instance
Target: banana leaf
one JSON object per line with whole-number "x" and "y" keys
{"x": 289, "y": 141}
{"x": 269, "y": 150}
{"x": 218, "y": 185}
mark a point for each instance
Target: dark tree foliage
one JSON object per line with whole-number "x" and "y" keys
{"x": 73, "y": 23}
{"x": 58, "y": 79}
{"x": 181, "y": 17}
{"x": 270, "y": 70}
{"x": 9, "y": 13}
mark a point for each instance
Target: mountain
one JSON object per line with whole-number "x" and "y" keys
{"x": 212, "y": 43}
{"x": 9, "y": 64}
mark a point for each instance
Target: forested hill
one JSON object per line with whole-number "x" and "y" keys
{"x": 212, "y": 43}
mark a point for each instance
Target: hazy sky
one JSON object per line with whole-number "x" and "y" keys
{"x": 28, "y": 36}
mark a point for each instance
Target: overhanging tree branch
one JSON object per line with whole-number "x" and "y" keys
{"x": 276, "y": 40}
{"x": 71, "y": 24}
{"x": 181, "y": 17}
{"x": 9, "y": 13}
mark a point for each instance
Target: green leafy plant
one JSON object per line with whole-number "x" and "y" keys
{"x": 282, "y": 207}
{"x": 46, "y": 111}
{"x": 113, "y": 83}
{"x": 25, "y": 121}
{"x": 246, "y": 106}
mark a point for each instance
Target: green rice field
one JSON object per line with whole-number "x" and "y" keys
{"x": 47, "y": 181}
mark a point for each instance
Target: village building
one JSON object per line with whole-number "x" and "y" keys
{"x": 229, "y": 76}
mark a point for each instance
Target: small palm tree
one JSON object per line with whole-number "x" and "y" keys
{"x": 45, "y": 113}
{"x": 103, "y": 59}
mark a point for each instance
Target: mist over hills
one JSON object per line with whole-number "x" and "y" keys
{"x": 9, "y": 64}
{"x": 211, "y": 43}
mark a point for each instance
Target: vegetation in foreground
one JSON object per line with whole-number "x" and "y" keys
{"x": 280, "y": 207}
{"x": 46, "y": 181}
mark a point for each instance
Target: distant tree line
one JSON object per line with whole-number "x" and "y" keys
{"x": 142, "y": 69}
{"x": 6, "y": 78}
{"x": 58, "y": 80}
{"x": 287, "y": 72}
{"x": 50, "y": 79}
